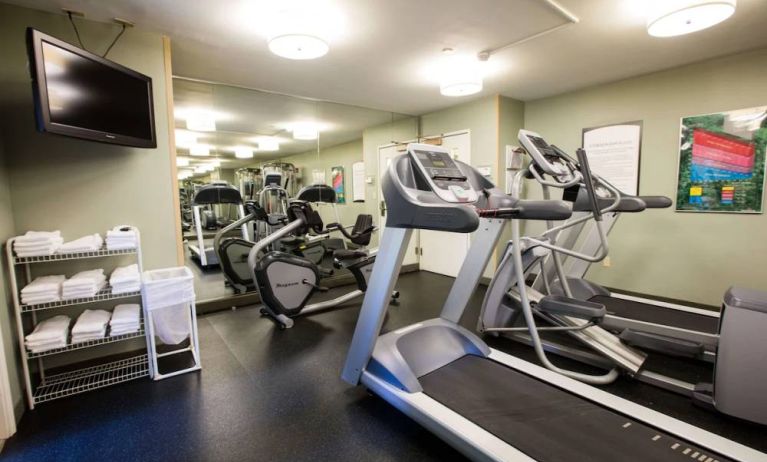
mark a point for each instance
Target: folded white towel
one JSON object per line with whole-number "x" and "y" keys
{"x": 36, "y": 245}
{"x": 84, "y": 279}
{"x": 38, "y": 236}
{"x": 126, "y": 313}
{"x": 82, "y": 292}
{"x": 39, "y": 300}
{"x": 89, "y": 243}
{"x": 124, "y": 289}
{"x": 44, "y": 284}
{"x": 50, "y": 329}
{"x": 48, "y": 346}
{"x": 91, "y": 321}
{"x": 123, "y": 331}
{"x": 89, "y": 336}
{"x": 128, "y": 273}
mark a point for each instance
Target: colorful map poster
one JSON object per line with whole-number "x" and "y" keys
{"x": 337, "y": 177}
{"x": 722, "y": 161}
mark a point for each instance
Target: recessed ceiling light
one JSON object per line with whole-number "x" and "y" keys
{"x": 672, "y": 18}
{"x": 298, "y": 46}
{"x": 305, "y": 131}
{"x": 201, "y": 121}
{"x": 199, "y": 150}
{"x": 182, "y": 161}
{"x": 268, "y": 143}
{"x": 243, "y": 152}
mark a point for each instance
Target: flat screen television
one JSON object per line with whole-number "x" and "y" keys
{"x": 82, "y": 95}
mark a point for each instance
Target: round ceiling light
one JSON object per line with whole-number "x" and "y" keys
{"x": 298, "y": 46}
{"x": 678, "y": 18}
{"x": 459, "y": 75}
{"x": 460, "y": 87}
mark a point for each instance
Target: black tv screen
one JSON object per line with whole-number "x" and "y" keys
{"x": 80, "y": 94}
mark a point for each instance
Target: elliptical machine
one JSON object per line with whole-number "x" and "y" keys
{"x": 286, "y": 282}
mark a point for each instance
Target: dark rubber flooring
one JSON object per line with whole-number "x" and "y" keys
{"x": 271, "y": 395}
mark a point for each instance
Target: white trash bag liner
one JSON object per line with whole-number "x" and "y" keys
{"x": 171, "y": 324}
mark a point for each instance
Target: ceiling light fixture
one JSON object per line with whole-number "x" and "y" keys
{"x": 182, "y": 162}
{"x": 201, "y": 121}
{"x": 200, "y": 150}
{"x": 268, "y": 143}
{"x": 305, "y": 131}
{"x": 679, "y": 17}
{"x": 460, "y": 75}
{"x": 298, "y": 46}
{"x": 243, "y": 152}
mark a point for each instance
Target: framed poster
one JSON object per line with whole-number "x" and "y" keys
{"x": 721, "y": 162}
{"x": 613, "y": 152}
{"x": 337, "y": 180}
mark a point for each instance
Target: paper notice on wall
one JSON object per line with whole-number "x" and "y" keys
{"x": 358, "y": 182}
{"x": 613, "y": 153}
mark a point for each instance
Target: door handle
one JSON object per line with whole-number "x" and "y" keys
{"x": 383, "y": 208}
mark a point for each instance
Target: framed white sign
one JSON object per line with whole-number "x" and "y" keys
{"x": 614, "y": 152}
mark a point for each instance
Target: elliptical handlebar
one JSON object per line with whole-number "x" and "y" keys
{"x": 588, "y": 183}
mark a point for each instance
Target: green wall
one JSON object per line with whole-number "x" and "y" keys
{"x": 79, "y": 187}
{"x": 7, "y": 316}
{"x": 688, "y": 256}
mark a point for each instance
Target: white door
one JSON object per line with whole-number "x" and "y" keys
{"x": 443, "y": 252}
{"x": 385, "y": 155}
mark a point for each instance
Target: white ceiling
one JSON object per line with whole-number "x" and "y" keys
{"x": 382, "y": 54}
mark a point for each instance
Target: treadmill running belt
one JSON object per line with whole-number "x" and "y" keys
{"x": 658, "y": 315}
{"x": 545, "y": 422}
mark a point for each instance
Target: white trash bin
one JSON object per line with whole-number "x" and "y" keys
{"x": 169, "y": 310}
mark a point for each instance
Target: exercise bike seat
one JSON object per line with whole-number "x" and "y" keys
{"x": 347, "y": 254}
{"x": 292, "y": 240}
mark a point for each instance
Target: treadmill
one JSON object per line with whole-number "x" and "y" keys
{"x": 203, "y": 250}
{"x": 485, "y": 403}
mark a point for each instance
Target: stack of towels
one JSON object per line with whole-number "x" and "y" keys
{"x": 122, "y": 238}
{"x": 49, "y": 334}
{"x": 125, "y": 279}
{"x": 125, "y": 320}
{"x": 91, "y": 325}
{"x": 90, "y": 243}
{"x": 85, "y": 284}
{"x": 37, "y": 243}
{"x": 45, "y": 289}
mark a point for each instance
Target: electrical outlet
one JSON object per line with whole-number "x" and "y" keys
{"x": 606, "y": 262}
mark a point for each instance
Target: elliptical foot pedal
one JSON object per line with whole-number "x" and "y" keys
{"x": 566, "y": 306}
{"x": 662, "y": 344}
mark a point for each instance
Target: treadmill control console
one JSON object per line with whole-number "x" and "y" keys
{"x": 442, "y": 173}
{"x": 545, "y": 156}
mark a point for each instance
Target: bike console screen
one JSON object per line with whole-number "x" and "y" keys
{"x": 442, "y": 173}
